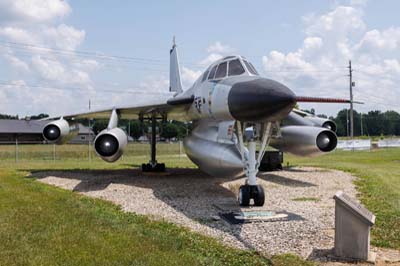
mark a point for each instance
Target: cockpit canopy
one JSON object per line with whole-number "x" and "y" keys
{"x": 229, "y": 66}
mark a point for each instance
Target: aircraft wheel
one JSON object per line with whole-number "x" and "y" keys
{"x": 259, "y": 196}
{"x": 145, "y": 167}
{"x": 161, "y": 167}
{"x": 244, "y": 196}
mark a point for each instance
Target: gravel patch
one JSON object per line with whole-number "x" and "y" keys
{"x": 192, "y": 199}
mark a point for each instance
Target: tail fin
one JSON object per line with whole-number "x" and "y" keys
{"x": 174, "y": 72}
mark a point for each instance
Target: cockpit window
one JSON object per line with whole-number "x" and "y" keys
{"x": 212, "y": 72}
{"x": 250, "y": 67}
{"x": 221, "y": 71}
{"x": 204, "y": 76}
{"x": 235, "y": 68}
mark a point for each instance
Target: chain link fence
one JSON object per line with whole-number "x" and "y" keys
{"x": 38, "y": 151}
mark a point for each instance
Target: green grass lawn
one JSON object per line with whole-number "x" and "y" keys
{"x": 378, "y": 173}
{"x": 45, "y": 225}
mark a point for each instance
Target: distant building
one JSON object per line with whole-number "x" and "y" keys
{"x": 30, "y": 131}
{"x": 83, "y": 136}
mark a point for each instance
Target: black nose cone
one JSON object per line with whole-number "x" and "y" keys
{"x": 260, "y": 100}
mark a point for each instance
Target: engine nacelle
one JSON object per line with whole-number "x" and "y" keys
{"x": 322, "y": 122}
{"x": 110, "y": 144}
{"x": 294, "y": 119}
{"x": 60, "y": 131}
{"x": 305, "y": 140}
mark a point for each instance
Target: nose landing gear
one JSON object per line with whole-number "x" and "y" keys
{"x": 247, "y": 192}
{"x": 252, "y": 190}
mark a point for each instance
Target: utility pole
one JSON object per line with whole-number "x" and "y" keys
{"x": 351, "y": 101}
{"x": 362, "y": 131}
{"x": 347, "y": 122}
{"x": 89, "y": 154}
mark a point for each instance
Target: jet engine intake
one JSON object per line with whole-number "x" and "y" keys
{"x": 60, "y": 131}
{"x": 305, "y": 140}
{"x": 110, "y": 144}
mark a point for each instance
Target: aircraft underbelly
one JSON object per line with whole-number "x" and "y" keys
{"x": 213, "y": 150}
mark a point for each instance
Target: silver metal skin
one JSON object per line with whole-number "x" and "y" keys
{"x": 110, "y": 143}
{"x": 115, "y": 142}
{"x": 322, "y": 122}
{"x": 303, "y": 119}
{"x": 221, "y": 107}
{"x": 174, "y": 74}
{"x": 212, "y": 146}
{"x": 305, "y": 140}
{"x": 60, "y": 131}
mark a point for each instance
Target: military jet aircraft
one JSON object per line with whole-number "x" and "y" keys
{"x": 232, "y": 108}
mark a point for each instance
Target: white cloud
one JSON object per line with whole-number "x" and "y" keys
{"x": 358, "y": 2}
{"x": 215, "y": 52}
{"x": 318, "y": 66}
{"x": 339, "y": 23}
{"x": 27, "y": 28}
{"x": 65, "y": 37}
{"x": 33, "y": 10}
{"x": 16, "y": 34}
{"x": 17, "y": 63}
{"x": 388, "y": 39}
{"x": 218, "y": 47}
{"x": 211, "y": 58}
{"x": 189, "y": 76}
{"x": 312, "y": 43}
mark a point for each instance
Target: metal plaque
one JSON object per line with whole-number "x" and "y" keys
{"x": 355, "y": 206}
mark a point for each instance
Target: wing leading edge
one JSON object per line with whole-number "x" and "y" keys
{"x": 173, "y": 108}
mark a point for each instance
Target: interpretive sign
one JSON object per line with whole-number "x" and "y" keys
{"x": 352, "y": 228}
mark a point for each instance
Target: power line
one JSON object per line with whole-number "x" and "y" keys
{"x": 130, "y": 59}
{"x": 101, "y": 56}
{"x": 139, "y": 91}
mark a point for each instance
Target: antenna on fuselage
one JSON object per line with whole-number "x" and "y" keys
{"x": 175, "y": 84}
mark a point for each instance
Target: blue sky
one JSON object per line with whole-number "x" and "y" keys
{"x": 304, "y": 44}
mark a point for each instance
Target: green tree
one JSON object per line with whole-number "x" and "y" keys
{"x": 99, "y": 125}
{"x": 136, "y": 129}
{"x": 169, "y": 131}
{"x": 11, "y": 117}
{"x": 39, "y": 116}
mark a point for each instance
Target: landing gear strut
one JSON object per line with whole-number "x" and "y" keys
{"x": 153, "y": 166}
{"x": 251, "y": 190}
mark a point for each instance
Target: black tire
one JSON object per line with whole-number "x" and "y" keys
{"x": 244, "y": 196}
{"x": 259, "y": 196}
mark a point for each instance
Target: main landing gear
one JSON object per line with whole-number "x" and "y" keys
{"x": 251, "y": 162}
{"x": 153, "y": 165}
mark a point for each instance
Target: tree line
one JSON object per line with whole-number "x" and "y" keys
{"x": 372, "y": 123}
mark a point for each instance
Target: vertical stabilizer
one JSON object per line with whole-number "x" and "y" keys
{"x": 174, "y": 72}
